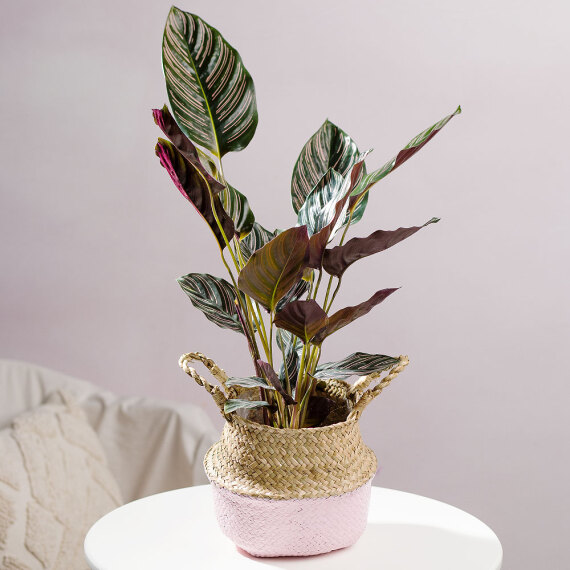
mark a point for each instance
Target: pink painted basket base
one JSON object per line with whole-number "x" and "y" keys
{"x": 294, "y": 527}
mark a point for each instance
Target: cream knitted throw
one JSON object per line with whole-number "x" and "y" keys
{"x": 54, "y": 484}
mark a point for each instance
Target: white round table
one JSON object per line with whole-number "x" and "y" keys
{"x": 178, "y": 530}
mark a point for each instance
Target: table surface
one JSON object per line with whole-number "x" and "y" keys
{"x": 178, "y": 530}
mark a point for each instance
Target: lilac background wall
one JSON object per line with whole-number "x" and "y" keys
{"x": 93, "y": 233}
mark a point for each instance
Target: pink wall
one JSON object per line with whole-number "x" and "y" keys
{"x": 93, "y": 233}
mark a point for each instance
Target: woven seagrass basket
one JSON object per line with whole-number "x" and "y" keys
{"x": 292, "y": 492}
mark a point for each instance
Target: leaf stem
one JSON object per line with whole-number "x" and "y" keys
{"x": 327, "y": 293}
{"x": 346, "y": 227}
{"x": 327, "y": 309}
{"x": 272, "y": 315}
{"x": 331, "y": 277}
{"x": 252, "y": 314}
{"x": 318, "y": 284}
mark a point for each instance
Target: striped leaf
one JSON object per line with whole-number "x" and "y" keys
{"x": 234, "y": 203}
{"x": 210, "y": 92}
{"x": 255, "y": 239}
{"x": 326, "y": 207}
{"x": 407, "y": 152}
{"x": 291, "y": 346}
{"x": 272, "y": 270}
{"x": 357, "y": 364}
{"x": 237, "y": 207}
{"x": 249, "y": 382}
{"x": 297, "y": 291}
{"x": 338, "y": 259}
{"x": 329, "y": 148}
{"x": 319, "y": 207}
{"x": 215, "y": 297}
{"x": 193, "y": 185}
{"x": 233, "y": 405}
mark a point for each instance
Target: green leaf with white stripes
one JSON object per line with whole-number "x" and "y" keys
{"x": 357, "y": 364}
{"x": 249, "y": 382}
{"x": 296, "y": 292}
{"x": 292, "y": 347}
{"x": 211, "y": 93}
{"x": 256, "y": 239}
{"x": 215, "y": 297}
{"x": 361, "y": 191}
{"x": 329, "y": 148}
{"x": 237, "y": 207}
{"x": 319, "y": 207}
{"x": 233, "y": 405}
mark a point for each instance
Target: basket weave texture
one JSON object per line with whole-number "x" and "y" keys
{"x": 262, "y": 461}
{"x": 258, "y": 460}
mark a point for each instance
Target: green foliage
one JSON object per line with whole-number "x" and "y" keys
{"x": 330, "y": 148}
{"x": 418, "y": 142}
{"x": 357, "y": 364}
{"x": 237, "y": 207}
{"x": 256, "y": 239}
{"x": 291, "y": 347}
{"x": 211, "y": 93}
{"x": 233, "y": 405}
{"x": 215, "y": 297}
{"x": 249, "y": 382}
{"x": 213, "y": 111}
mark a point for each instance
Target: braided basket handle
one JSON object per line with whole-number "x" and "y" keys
{"x": 362, "y": 397}
{"x": 216, "y": 392}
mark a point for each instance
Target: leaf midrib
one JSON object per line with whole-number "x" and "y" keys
{"x": 272, "y": 305}
{"x": 205, "y": 99}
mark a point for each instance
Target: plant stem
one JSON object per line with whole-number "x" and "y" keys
{"x": 260, "y": 320}
{"x": 272, "y": 315}
{"x": 317, "y": 285}
{"x": 252, "y": 314}
{"x": 346, "y": 227}
{"x": 246, "y": 324}
{"x": 327, "y": 293}
{"x": 331, "y": 277}
{"x": 327, "y": 309}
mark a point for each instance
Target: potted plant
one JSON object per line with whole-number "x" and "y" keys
{"x": 290, "y": 474}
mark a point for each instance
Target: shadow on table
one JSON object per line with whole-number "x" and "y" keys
{"x": 394, "y": 546}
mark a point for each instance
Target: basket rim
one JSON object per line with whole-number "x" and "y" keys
{"x": 239, "y": 463}
{"x": 256, "y": 425}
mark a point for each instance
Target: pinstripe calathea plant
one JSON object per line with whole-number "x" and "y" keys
{"x": 282, "y": 284}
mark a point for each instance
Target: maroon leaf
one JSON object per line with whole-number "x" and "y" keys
{"x": 407, "y": 152}
{"x": 337, "y": 259}
{"x": 318, "y": 241}
{"x": 170, "y": 128}
{"x": 273, "y": 379}
{"x": 348, "y": 314}
{"x": 302, "y": 318}
{"x": 272, "y": 270}
{"x": 194, "y": 187}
